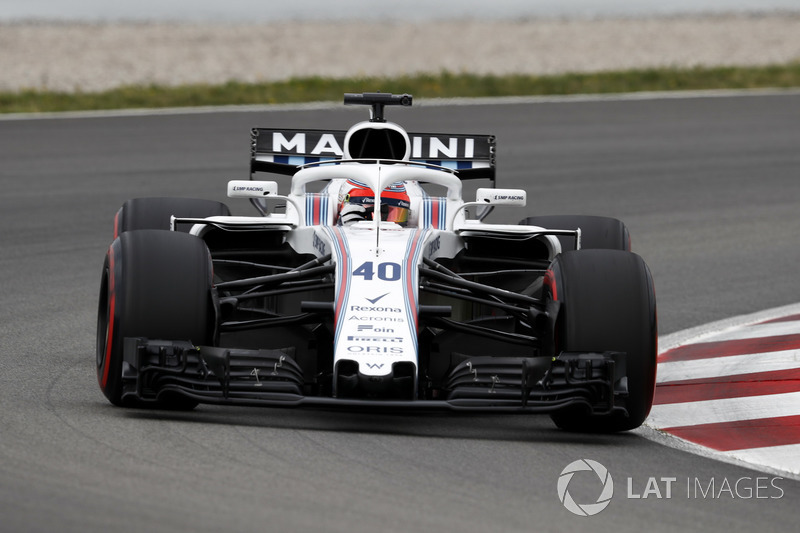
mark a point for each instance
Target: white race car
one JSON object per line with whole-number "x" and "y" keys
{"x": 369, "y": 282}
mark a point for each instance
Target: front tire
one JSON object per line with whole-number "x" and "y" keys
{"x": 596, "y": 232}
{"x": 155, "y": 213}
{"x": 607, "y": 304}
{"x": 155, "y": 284}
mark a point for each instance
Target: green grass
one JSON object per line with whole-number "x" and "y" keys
{"x": 445, "y": 84}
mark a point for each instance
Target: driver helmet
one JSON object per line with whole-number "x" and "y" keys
{"x": 357, "y": 202}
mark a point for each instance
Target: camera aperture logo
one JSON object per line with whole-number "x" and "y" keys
{"x": 585, "y": 509}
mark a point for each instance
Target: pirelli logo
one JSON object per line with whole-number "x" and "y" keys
{"x": 372, "y": 338}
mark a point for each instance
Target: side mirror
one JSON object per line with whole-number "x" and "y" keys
{"x": 252, "y": 189}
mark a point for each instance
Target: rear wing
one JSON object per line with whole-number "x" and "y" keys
{"x": 281, "y": 151}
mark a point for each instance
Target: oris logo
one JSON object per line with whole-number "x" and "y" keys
{"x": 376, "y": 349}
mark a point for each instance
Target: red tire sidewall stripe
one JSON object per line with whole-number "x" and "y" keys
{"x": 550, "y": 283}
{"x": 112, "y": 301}
{"x": 116, "y": 223}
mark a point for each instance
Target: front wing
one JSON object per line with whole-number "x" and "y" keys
{"x": 153, "y": 369}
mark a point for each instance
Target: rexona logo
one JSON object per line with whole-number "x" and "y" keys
{"x": 603, "y": 499}
{"x": 369, "y": 309}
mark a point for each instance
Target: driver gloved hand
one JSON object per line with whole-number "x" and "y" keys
{"x": 353, "y": 213}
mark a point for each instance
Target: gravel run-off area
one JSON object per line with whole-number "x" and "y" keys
{"x": 97, "y": 56}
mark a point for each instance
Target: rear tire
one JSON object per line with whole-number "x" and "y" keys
{"x": 155, "y": 284}
{"x": 155, "y": 213}
{"x": 607, "y": 304}
{"x": 596, "y": 232}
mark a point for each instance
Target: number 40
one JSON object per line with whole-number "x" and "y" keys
{"x": 386, "y": 271}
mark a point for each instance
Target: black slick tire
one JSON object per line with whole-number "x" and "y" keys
{"x": 155, "y": 284}
{"x": 155, "y": 213}
{"x": 596, "y": 232}
{"x": 607, "y": 304}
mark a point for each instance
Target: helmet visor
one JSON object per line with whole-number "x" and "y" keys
{"x": 396, "y": 214}
{"x": 394, "y": 208}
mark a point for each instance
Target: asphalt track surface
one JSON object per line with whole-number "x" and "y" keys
{"x": 708, "y": 187}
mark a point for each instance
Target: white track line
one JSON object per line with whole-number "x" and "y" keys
{"x": 777, "y": 460}
{"x": 785, "y": 457}
{"x": 712, "y": 329}
{"x": 728, "y": 366}
{"x": 432, "y": 102}
{"x": 725, "y": 410}
{"x": 758, "y": 330}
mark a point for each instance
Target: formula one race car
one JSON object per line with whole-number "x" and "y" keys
{"x": 371, "y": 283}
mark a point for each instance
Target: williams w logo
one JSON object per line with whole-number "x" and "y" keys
{"x": 585, "y": 509}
